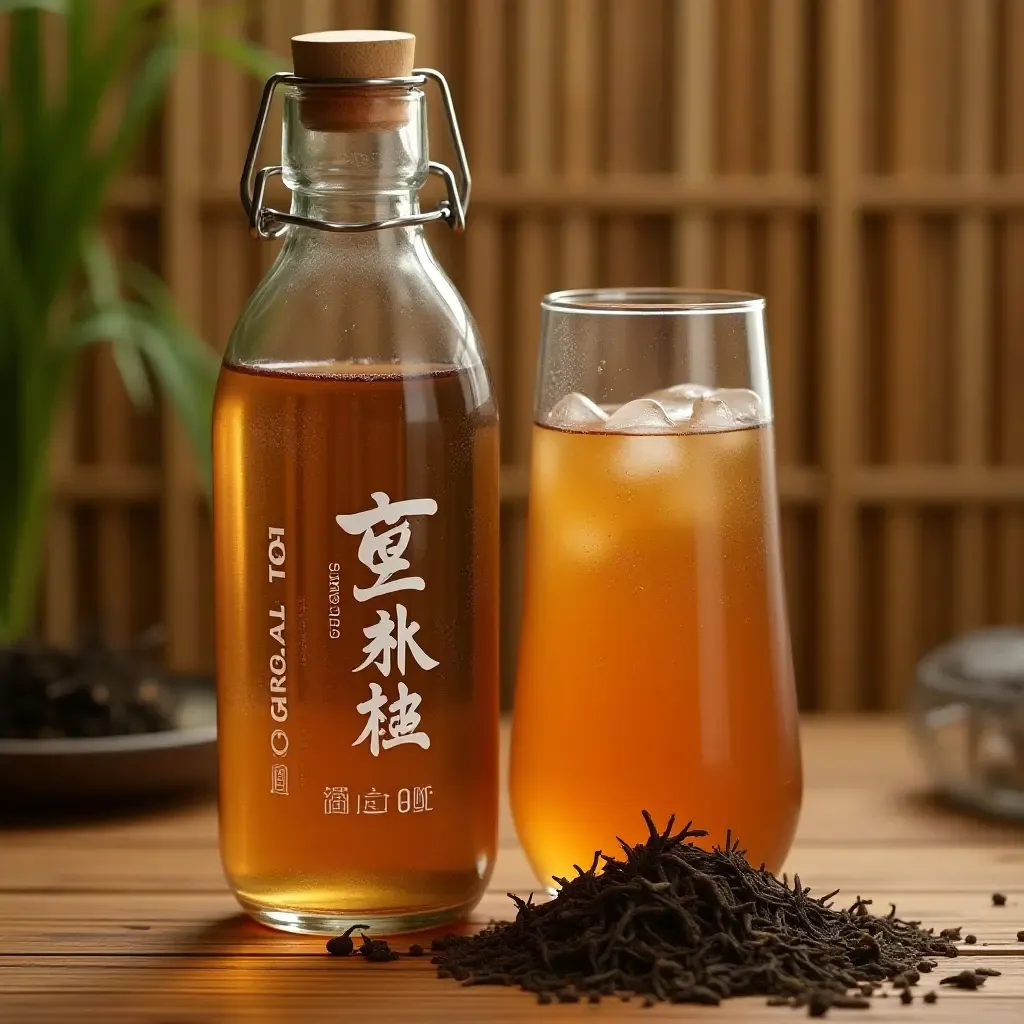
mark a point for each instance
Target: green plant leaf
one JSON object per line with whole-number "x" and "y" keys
{"x": 77, "y": 206}
{"x": 25, "y": 68}
{"x": 250, "y": 56}
{"x": 55, "y": 174}
{"x": 183, "y": 363}
{"x": 102, "y": 278}
{"x": 104, "y": 286}
{"x": 52, "y": 6}
{"x": 77, "y": 45}
{"x": 151, "y": 330}
{"x": 188, "y": 379}
{"x": 148, "y": 88}
{"x": 216, "y": 31}
{"x": 15, "y": 291}
{"x": 25, "y": 114}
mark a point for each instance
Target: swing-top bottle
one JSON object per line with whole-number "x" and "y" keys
{"x": 356, "y": 522}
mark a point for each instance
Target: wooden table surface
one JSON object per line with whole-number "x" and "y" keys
{"x": 129, "y": 920}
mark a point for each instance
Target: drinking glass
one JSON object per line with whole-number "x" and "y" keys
{"x": 654, "y": 667}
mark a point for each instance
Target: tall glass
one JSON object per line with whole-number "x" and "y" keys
{"x": 654, "y": 664}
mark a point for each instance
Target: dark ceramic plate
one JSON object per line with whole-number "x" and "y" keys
{"x": 108, "y": 768}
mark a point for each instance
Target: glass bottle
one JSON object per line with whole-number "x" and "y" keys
{"x": 356, "y": 498}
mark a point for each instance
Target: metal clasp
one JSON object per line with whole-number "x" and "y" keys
{"x": 266, "y": 222}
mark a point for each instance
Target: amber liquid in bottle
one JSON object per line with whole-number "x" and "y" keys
{"x": 340, "y": 801}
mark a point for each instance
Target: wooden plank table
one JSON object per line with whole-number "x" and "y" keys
{"x": 129, "y": 920}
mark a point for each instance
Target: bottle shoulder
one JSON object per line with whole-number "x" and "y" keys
{"x": 355, "y": 299}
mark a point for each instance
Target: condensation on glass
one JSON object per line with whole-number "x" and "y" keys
{"x": 356, "y": 522}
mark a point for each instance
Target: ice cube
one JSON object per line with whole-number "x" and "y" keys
{"x": 680, "y": 393}
{"x": 712, "y": 414}
{"x": 678, "y": 400}
{"x": 745, "y": 405}
{"x": 576, "y": 410}
{"x": 641, "y": 416}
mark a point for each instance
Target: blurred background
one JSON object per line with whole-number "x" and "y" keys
{"x": 859, "y": 162}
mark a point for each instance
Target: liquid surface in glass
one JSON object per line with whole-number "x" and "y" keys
{"x": 358, "y": 671}
{"x": 654, "y": 668}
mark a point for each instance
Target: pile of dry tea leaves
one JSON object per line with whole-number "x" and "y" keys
{"x": 674, "y": 922}
{"x": 53, "y": 694}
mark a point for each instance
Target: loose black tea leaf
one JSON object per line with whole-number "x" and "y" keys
{"x": 906, "y": 997}
{"x": 988, "y": 972}
{"x": 931, "y": 997}
{"x": 342, "y": 945}
{"x": 1020, "y": 936}
{"x": 970, "y": 939}
{"x": 965, "y": 979}
{"x": 46, "y": 693}
{"x": 416, "y": 949}
{"x": 672, "y": 922}
{"x": 950, "y": 933}
{"x": 820, "y": 1003}
{"x": 377, "y": 951}
{"x": 998, "y": 899}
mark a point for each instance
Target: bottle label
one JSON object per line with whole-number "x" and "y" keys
{"x": 392, "y": 641}
{"x": 277, "y": 664}
{"x": 356, "y": 547}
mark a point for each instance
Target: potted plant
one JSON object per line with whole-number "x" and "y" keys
{"x": 61, "y": 290}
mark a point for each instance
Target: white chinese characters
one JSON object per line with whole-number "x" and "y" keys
{"x": 392, "y": 638}
{"x": 374, "y": 802}
{"x": 336, "y": 800}
{"x": 381, "y": 553}
{"x": 415, "y": 800}
{"x": 402, "y": 726}
{"x": 383, "y": 640}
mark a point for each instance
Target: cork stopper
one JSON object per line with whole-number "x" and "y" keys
{"x": 354, "y": 53}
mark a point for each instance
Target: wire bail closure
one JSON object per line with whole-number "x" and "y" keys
{"x": 266, "y": 222}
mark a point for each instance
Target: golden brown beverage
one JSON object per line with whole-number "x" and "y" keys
{"x": 654, "y": 668}
{"x": 356, "y": 544}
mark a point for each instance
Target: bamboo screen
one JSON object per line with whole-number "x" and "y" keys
{"x": 860, "y": 162}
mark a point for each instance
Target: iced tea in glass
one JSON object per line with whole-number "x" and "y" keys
{"x": 654, "y": 665}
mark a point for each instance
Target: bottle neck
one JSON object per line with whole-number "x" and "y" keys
{"x": 353, "y": 156}
{"x": 355, "y": 207}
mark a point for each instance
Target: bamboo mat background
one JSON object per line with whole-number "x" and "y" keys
{"x": 860, "y": 162}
